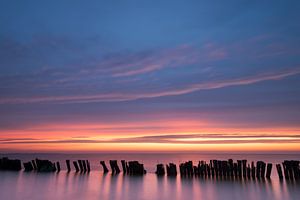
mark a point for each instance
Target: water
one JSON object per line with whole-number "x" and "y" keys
{"x": 95, "y": 185}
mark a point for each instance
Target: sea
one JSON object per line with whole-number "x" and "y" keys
{"x": 96, "y": 185}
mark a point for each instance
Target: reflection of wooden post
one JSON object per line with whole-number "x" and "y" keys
{"x": 58, "y": 166}
{"x": 76, "y": 166}
{"x": 105, "y": 169}
{"x": 279, "y": 171}
{"x": 68, "y": 165}
{"x": 269, "y": 170}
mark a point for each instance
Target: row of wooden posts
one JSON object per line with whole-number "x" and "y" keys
{"x": 289, "y": 169}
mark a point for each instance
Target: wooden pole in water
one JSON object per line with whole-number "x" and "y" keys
{"x": 68, "y": 165}
{"x": 105, "y": 169}
{"x": 279, "y": 171}
{"x": 84, "y": 165}
{"x": 263, "y": 170}
{"x": 123, "y": 166}
{"x": 269, "y": 170}
{"x": 58, "y": 166}
{"x": 80, "y": 165}
{"x": 88, "y": 166}
{"x": 34, "y": 165}
{"x": 76, "y": 166}
{"x": 253, "y": 170}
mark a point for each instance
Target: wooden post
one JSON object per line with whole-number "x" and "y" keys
{"x": 88, "y": 166}
{"x": 68, "y": 165}
{"x": 114, "y": 166}
{"x": 269, "y": 170}
{"x": 76, "y": 166}
{"x": 248, "y": 171}
{"x": 253, "y": 170}
{"x": 160, "y": 170}
{"x": 244, "y": 164}
{"x": 57, "y": 166}
{"x": 171, "y": 169}
{"x": 27, "y": 166}
{"x": 105, "y": 169}
{"x": 263, "y": 170}
{"x": 239, "y": 168}
{"x": 34, "y": 165}
{"x": 123, "y": 166}
{"x": 279, "y": 171}
{"x": 84, "y": 165}
{"x": 80, "y": 165}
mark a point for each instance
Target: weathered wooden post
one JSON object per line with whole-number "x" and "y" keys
{"x": 286, "y": 169}
{"x": 114, "y": 166}
{"x": 208, "y": 170}
{"x": 171, "y": 169}
{"x": 160, "y": 170}
{"x": 239, "y": 168}
{"x": 105, "y": 169}
{"x": 235, "y": 169}
{"x": 84, "y": 166}
{"x": 279, "y": 171}
{"x": 123, "y": 166}
{"x": 263, "y": 170}
{"x": 230, "y": 164}
{"x": 27, "y": 166}
{"x": 258, "y": 167}
{"x": 269, "y": 170}
{"x": 182, "y": 170}
{"x": 248, "y": 171}
{"x": 212, "y": 168}
{"x": 296, "y": 169}
{"x": 88, "y": 166}
{"x": 8, "y": 164}
{"x": 76, "y": 166}
{"x": 57, "y": 166}
{"x": 34, "y": 165}
{"x": 253, "y": 170}
{"x": 80, "y": 165}
{"x": 244, "y": 164}
{"x": 68, "y": 165}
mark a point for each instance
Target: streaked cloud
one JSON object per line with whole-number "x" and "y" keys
{"x": 117, "y": 97}
{"x": 171, "y": 139}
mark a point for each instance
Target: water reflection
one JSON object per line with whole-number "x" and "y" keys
{"x": 95, "y": 185}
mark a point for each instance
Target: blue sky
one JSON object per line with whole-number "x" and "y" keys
{"x": 234, "y": 64}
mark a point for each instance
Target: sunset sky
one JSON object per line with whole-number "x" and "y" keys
{"x": 149, "y": 76}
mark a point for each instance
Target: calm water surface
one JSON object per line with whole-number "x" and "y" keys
{"x": 95, "y": 185}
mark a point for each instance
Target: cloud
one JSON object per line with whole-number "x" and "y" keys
{"x": 171, "y": 139}
{"x": 117, "y": 97}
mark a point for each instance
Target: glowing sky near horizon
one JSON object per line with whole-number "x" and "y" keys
{"x": 149, "y": 76}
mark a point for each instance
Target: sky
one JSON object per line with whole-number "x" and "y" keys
{"x": 149, "y": 75}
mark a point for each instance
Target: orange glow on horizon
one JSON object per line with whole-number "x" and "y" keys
{"x": 129, "y": 137}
